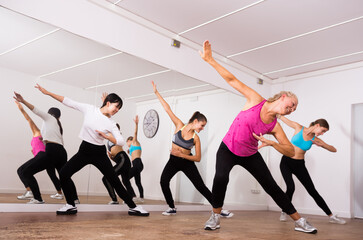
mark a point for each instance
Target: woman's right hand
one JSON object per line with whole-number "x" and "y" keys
{"x": 19, "y": 105}
{"x": 154, "y": 86}
{"x": 206, "y": 55}
{"x": 40, "y": 88}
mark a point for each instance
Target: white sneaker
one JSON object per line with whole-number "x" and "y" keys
{"x": 67, "y": 210}
{"x": 169, "y": 212}
{"x": 113, "y": 202}
{"x": 35, "y": 201}
{"x": 335, "y": 219}
{"x": 304, "y": 226}
{"x": 283, "y": 217}
{"x": 226, "y": 214}
{"x": 57, "y": 196}
{"x": 138, "y": 211}
{"x": 27, "y": 195}
{"x": 213, "y": 222}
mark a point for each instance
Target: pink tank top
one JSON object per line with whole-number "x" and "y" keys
{"x": 37, "y": 145}
{"x": 239, "y": 138}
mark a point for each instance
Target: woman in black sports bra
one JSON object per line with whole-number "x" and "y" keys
{"x": 181, "y": 158}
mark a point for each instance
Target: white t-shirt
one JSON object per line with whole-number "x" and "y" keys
{"x": 94, "y": 120}
{"x": 50, "y": 129}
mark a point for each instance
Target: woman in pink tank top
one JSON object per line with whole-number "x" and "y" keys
{"x": 38, "y": 149}
{"x": 240, "y": 145}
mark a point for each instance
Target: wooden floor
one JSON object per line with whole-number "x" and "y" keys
{"x": 251, "y": 225}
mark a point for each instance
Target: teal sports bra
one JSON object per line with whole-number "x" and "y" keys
{"x": 299, "y": 141}
{"x": 133, "y": 148}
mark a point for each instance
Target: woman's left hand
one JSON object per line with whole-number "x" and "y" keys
{"x": 176, "y": 152}
{"x": 263, "y": 140}
{"x": 102, "y": 134}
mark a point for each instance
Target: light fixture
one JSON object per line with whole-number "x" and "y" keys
{"x": 315, "y": 62}
{"x": 129, "y": 79}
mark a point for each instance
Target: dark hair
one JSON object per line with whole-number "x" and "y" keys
{"x": 118, "y": 126}
{"x": 197, "y": 115}
{"x": 55, "y": 112}
{"x": 322, "y": 122}
{"x": 113, "y": 98}
{"x": 130, "y": 138}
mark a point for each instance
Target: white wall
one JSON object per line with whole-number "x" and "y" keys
{"x": 16, "y": 134}
{"x": 220, "y": 108}
{"x": 328, "y": 96}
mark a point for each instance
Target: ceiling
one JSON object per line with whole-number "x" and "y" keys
{"x": 272, "y": 38}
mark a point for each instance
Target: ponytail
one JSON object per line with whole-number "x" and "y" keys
{"x": 55, "y": 112}
{"x": 197, "y": 115}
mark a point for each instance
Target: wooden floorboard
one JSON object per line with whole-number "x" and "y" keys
{"x": 252, "y": 225}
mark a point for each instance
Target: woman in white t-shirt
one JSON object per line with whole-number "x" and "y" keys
{"x": 97, "y": 124}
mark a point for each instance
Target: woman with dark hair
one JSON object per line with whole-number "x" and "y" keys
{"x": 303, "y": 139}
{"x": 122, "y": 168}
{"x": 137, "y": 165}
{"x": 240, "y": 145}
{"x": 181, "y": 159}
{"x": 38, "y": 150}
{"x": 97, "y": 124}
{"x": 55, "y": 155}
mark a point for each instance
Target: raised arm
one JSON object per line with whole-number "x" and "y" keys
{"x": 136, "y": 120}
{"x": 290, "y": 123}
{"x": 177, "y": 122}
{"x": 53, "y": 95}
{"x": 252, "y": 96}
{"x": 20, "y": 99}
{"x": 283, "y": 145}
{"x": 321, "y": 143}
{"x": 33, "y": 127}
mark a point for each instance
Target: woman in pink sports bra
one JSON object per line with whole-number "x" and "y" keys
{"x": 240, "y": 145}
{"x": 38, "y": 149}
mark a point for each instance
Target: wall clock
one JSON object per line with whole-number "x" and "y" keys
{"x": 151, "y": 123}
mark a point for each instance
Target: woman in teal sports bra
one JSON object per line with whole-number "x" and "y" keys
{"x": 137, "y": 166}
{"x": 181, "y": 159}
{"x": 302, "y": 141}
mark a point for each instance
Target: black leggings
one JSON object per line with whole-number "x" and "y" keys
{"x": 96, "y": 155}
{"x": 122, "y": 167}
{"x": 176, "y": 164}
{"x": 255, "y": 165}
{"x": 135, "y": 172}
{"x": 55, "y": 157}
{"x": 289, "y": 166}
{"x": 50, "y": 171}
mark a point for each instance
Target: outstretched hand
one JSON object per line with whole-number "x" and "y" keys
{"x": 40, "y": 88}
{"x": 18, "y": 97}
{"x": 264, "y": 141}
{"x": 154, "y": 86}
{"x": 19, "y": 105}
{"x": 206, "y": 55}
{"x": 136, "y": 120}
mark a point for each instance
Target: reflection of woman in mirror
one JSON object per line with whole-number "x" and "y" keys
{"x": 181, "y": 159}
{"x": 38, "y": 150}
{"x": 137, "y": 166}
{"x": 97, "y": 124}
{"x": 55, "y": 155}
{"x": 122, "y": 167}
{"x": 302, "y": 140}
{"x": 240, "y": 145}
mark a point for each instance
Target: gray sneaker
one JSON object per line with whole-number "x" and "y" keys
{"x": 226, "y": 214}
{"x": 335, "y": 219}
{"x": 213, "y": 223}
{"x": 304, "y": 226}
{"x": 283, "y": 217}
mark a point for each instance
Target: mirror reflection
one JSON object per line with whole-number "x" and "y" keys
{"x": 33, "y": 53}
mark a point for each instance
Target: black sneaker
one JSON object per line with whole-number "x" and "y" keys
{"x": 138, "y": 211}
{"x": 67, "y": 210}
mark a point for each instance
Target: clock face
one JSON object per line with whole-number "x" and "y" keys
{"x": 151, "y": 123}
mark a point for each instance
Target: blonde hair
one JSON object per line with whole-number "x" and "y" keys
{"x": 278, "y": 95}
